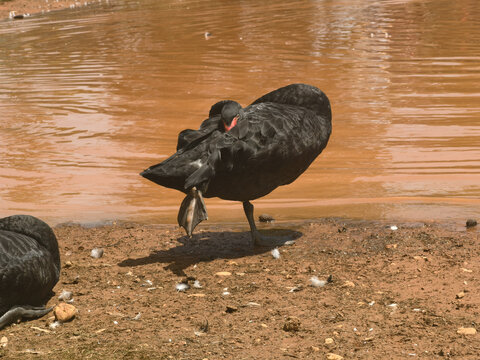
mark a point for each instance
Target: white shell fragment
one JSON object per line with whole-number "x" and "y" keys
{"x": 197, "y": 284}
{"x": 275, "y": 253}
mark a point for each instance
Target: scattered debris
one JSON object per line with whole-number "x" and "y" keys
{"x": 66, "y": 296}
{"x": 40, "y": 329}
{"x": 196, "y": 295}
{"x": 223, "y": 273}
{"x": 182, "y": 287}
{"x": 96, "y": 253}
{"x": 332, "y": 356}
{"x": 295, "y": 288}
{"x": 467, "y": 331}
{"x": 316, "y": 282}
{"x": 291, "y": 324}
{"x": 54, "y": 325}
{"x": 266, "y": 218}
{"x": 275, "y": 253}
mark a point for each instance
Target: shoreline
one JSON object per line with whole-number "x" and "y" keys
{"x": 35, "y": 7}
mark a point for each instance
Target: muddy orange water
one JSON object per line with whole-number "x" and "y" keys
{"x": 91, "y": 96}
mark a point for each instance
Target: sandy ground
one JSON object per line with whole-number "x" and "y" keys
{"x": 393, "y": 294}
{"x": 35, "y": 6}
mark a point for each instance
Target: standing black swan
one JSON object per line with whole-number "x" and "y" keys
{"x": 243, "y": 154}
{"x": 29, "y": 267}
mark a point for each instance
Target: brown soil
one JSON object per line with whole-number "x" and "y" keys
{"x": 394, "y": 294}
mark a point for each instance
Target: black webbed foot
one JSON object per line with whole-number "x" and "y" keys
{"x": 192, "y": 211}
{"x": 21, "y": 312}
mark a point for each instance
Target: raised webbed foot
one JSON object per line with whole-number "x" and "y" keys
{"x": 192, "y": 211}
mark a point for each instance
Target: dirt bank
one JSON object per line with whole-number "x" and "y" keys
{"x": 33, "y": 7}
{"x": 394, "y": 294}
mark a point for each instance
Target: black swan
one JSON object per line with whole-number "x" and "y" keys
{"x": 243, "y": 154}
{"x": 29, "y": 267}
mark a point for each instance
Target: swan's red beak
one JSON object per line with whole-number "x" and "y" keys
{"x": 234, "y": 122}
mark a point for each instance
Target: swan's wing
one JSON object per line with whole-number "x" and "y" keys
{"x": 27, "y": 271}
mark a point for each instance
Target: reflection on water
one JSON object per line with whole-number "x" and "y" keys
{"x": 91, "y": 97}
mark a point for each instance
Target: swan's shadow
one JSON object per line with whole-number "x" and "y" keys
{"x": 208, "y": 246}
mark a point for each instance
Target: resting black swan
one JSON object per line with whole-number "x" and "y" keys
{"x": 243, "y": 154}
{"x": 29, "y": 267}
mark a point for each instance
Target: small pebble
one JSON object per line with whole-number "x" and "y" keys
{"x": 64, "y": 312}
{"x": 266, "y": 218}
{"x": 471, "y": 223}
{"x": 460, "y": 295}
{"x": 197, "y": 285}
{"x": 3, "y": 341}
{"x": 96, "y": 253}
{"x": 393, "y": 227}
{"x": 291, "y": 324}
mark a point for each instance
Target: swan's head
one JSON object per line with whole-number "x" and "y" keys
{"x": 231, "y": 113}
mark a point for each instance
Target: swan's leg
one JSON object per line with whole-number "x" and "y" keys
{"x": 256, "y": 237}
{"x": 20, "y": 312}
{"x": 192, "y": 211}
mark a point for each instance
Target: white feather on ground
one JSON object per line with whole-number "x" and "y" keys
{"x": 316, "y": 282}
{"x": 181, "y": 287}
{"x": 275, "y": 253}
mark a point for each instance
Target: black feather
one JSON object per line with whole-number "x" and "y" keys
{"x": 29, "y": 262}
{"x": 275, "y": 139}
